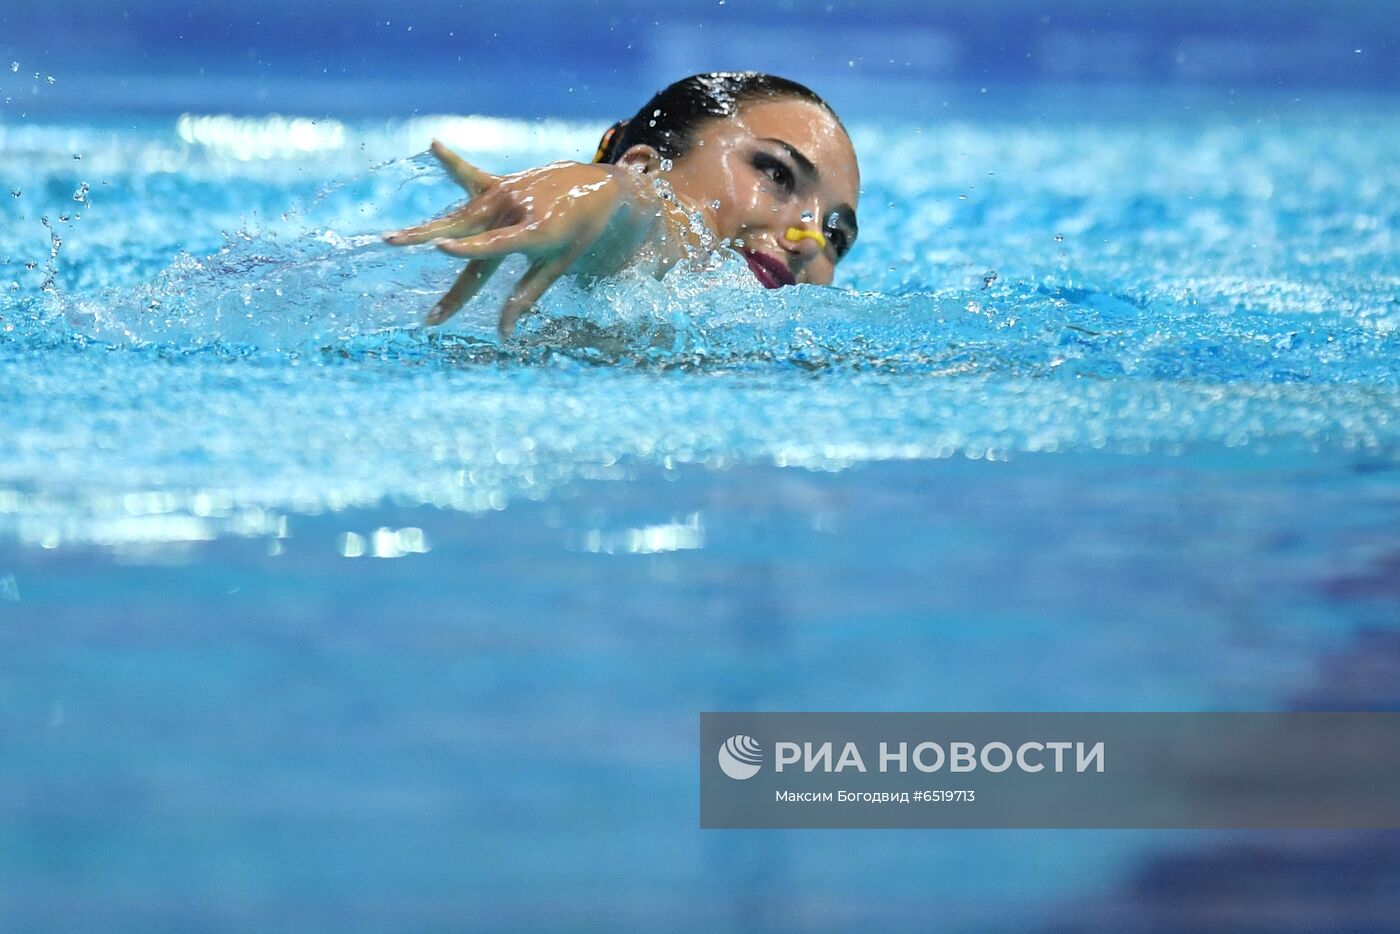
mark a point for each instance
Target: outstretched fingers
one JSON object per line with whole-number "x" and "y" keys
{"x": 472, "y": 219}
{"x": 539, "y": 277}
{"x": 515, "y": 238}
{"x": 474, "y": 180}
{"x": 468, "y": 284}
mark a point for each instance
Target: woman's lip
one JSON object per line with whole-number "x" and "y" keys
{"x": 770, "y": 271}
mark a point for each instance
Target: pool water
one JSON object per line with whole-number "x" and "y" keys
{"x": 311, "y": 618}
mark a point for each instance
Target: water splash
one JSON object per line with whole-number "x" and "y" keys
{"x": 293, "y": 338}
{"x": 55, "y": 244}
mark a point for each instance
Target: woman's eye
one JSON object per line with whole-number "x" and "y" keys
{"x": 775, "y": 170}
{"x": 838, "y": 240}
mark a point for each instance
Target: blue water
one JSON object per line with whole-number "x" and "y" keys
{"x": 312, "y": 619}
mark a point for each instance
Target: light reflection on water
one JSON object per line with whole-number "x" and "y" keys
{"x": 506, "y": 691}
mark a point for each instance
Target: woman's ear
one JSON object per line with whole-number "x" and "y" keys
{"x": 641, "y": 158}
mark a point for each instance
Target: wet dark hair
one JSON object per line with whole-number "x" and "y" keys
{"x": 669, "y": 121}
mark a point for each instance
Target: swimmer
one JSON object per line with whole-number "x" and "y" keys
{"x": 757, "y": 163}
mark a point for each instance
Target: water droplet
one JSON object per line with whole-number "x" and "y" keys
{"x": 49, "y": 79}
{"x": 714, "y": 205}
{"x": 14, "y": 67}
{"x": 78, "y": 157}
{"x": 656, "y": 113}
{"x": 807, "y": 217}
{"x": 666, "y": 165}
{"x": 81, "y": 195}
{"x": 988, "y": 278}
{"x": 1059, "y": 238}
{"x": 15, "y": 192}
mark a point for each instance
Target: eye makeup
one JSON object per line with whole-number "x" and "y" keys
{"x": 777, "y": 170}
{"x": 841, "y": 230}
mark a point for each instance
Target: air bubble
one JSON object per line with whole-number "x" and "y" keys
{"x": 702, "y": 232}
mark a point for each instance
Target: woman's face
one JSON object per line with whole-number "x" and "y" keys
{"x": 776, "y": 165}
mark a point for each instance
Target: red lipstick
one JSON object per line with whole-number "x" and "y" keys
{"x": 772, "y": 272}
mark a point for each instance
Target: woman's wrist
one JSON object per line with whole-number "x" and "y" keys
{"x": 674, "y": 229}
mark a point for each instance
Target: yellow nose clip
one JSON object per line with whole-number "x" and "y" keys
{"x": 794, "y": 234}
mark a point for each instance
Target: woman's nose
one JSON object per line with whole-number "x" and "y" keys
{"x": 804, "y": 240}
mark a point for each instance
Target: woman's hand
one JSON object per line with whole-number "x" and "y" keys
{"x": 593, "y": 217}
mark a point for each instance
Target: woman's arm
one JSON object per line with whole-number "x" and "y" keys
{"x": 566, "y": 217}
